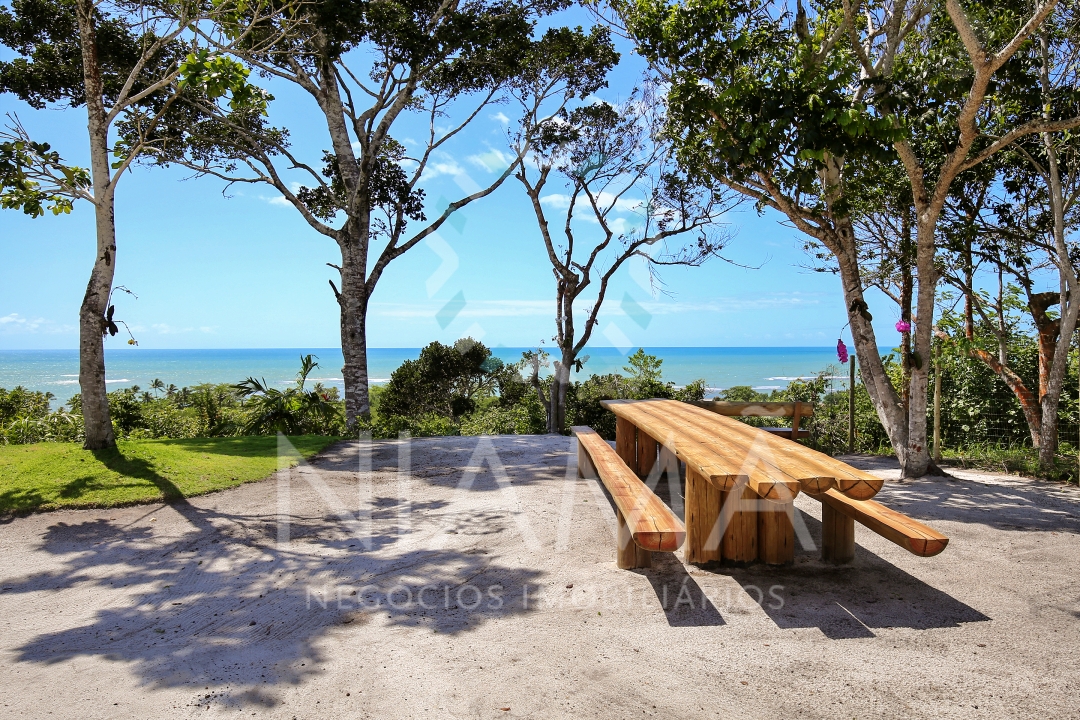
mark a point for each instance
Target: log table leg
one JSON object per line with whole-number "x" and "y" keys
{"x": 629, "y": 555}
{"x": 646, "y": 454}
{"x": 703, "y": 536}
{"x": 776, "y": 533}
{"x": 626, "y": 442}
{"x": 740, "y": 523}
{"x": 837, "y": 536}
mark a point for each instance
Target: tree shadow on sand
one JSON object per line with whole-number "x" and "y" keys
{"x": 224, "y": 604}
{"x": 843, "y": 602}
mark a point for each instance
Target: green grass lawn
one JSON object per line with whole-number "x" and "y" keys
{"x": 48, "y": 476}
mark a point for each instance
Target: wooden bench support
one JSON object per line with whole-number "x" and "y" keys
{"x": 703, "y": 535}
{"x": 646, "y": 453}
{"x": 585, "y": 467}
{"x": 626, "y": 442}
{"x": 738, "y": 517}
{"x": 837, "y": 536}
{"x": 776, "y": 533}
{"x": 839, "y": 514}
{"x": 645, "y": 523}
{"x": 629, "y": 555}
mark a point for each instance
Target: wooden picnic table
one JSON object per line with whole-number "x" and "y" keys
{"x": 741, "y": 482}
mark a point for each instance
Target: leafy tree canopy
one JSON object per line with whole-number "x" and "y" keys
{"x": 449, "y": 381}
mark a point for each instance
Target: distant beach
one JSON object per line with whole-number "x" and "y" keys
{"x": 57, "y": 371}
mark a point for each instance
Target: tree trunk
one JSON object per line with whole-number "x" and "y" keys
{"x": 560, "y": 381}
{"x": 353, "y": 301}
{"x": 883, "y": 395}
{"x": 844, "y": 247}
{"x": 1029, "y": 404}
{"x": 907, "y": 291}
{"x": 1068, "y": 287}
{"x": 95, "y": 401}
{"x": 1049, "y": 329}
{"x": 916, "y": 460}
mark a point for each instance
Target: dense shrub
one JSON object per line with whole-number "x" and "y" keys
{"x": 641, "y": 382}
{"x": 451, "y": 381}
{"x": 25, "y": 417}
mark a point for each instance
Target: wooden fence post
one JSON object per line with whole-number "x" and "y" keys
{"x": 851, "y": 406}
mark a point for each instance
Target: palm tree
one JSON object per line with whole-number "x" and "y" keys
{"x": 293, "y": 411}
{"x": 157, "y": 385}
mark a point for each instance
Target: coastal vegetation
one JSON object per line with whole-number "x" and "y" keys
{"x": 852, "y": 112}
{"x": 924, "y": 152}
{"x": 128, "y": 69}
{"x": 605, "y": 157}
{"x": 463, "y": 389}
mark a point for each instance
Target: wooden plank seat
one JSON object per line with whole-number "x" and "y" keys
{"x": 645, "y": 523}
{"x": 794, "y": 410}
{"x": 795, "y": 459}
{"x": 839, "y": 514}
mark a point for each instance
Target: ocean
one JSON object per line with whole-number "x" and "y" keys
{"x": 57, "y": 371}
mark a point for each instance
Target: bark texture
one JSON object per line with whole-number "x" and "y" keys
{"x": 95, "y": 401}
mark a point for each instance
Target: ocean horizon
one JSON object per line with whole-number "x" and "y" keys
{"x": 57, "y": 371}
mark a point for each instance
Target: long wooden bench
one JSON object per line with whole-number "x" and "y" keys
{"x": 794, "y": 410}
{"x": 839, "y": 514}
{"x": 646, "y": 524}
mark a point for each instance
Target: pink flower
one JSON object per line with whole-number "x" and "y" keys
{"x": 902, "y": 326}
{"x": 841, "y": 351}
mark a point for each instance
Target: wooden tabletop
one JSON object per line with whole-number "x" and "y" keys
{"x": 725, "y": 451}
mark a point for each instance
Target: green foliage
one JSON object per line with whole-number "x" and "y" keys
{"x": 526, "y": 417}
{"x": 207, "y": 410}
{"x": 449, "y": 381}
{"x": 643, "y": 375}
{"x": 19, "y": 157}
{"x": 215, "y": 76}
{"x": 26, "y": 417}
{"x": 293, "y": 411}
{"x": 643, "y": 382}
{"x": 48, "y": 69}
{"x": 391, "y": 190}
{"x": 829, "y": 425}
{"x": 749, "y": 93}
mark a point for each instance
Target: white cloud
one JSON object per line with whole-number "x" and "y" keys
{"x": 493, "y": 160}
{"x": 500, "y": 117}
{"x": 166, "y": 329}
{"x": 14, "y": 323}
{"x": 280, "y": 199}
{"x": 556, "y": 200}
{"x": 623, "y": 204}
{"x": 446, "y": 166}
{"x": 603, "y": 200}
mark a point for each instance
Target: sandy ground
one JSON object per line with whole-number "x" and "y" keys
{"x": 485, "y": 586}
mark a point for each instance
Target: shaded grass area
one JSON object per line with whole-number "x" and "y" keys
{"x": 49, "y": 476}
{"x": 1013, "y": 460}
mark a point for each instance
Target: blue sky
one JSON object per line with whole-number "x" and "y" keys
{"x": 244, "y": 270}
